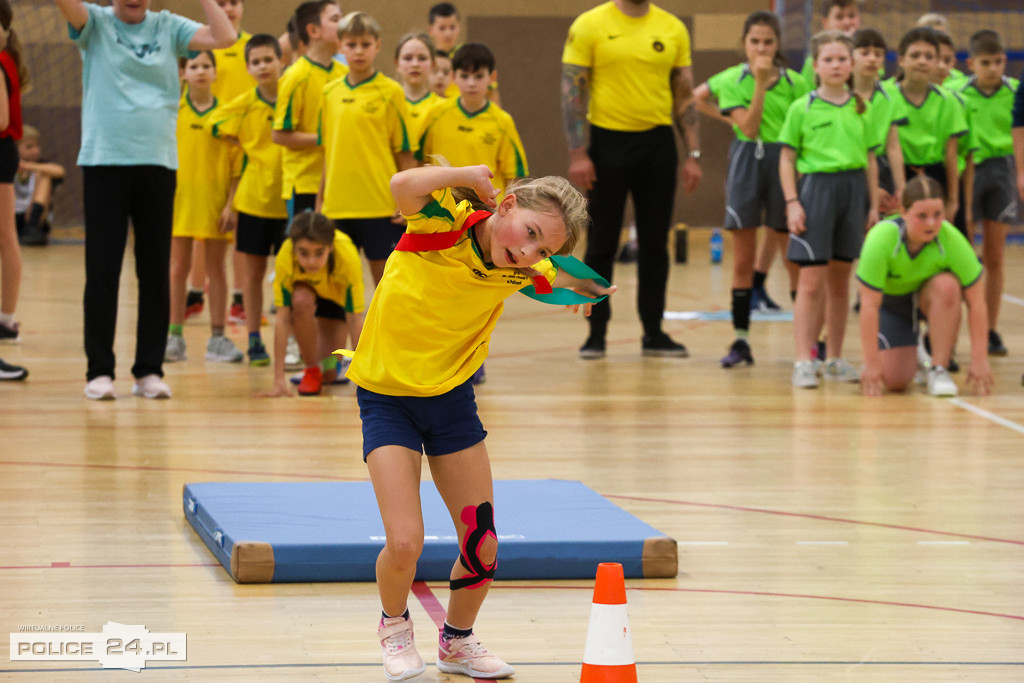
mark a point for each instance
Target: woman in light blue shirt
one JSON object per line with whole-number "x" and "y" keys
{"x": 128, "y": 157}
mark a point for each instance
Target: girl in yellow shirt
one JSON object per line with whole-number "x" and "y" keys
{"x": 454, "y": 266}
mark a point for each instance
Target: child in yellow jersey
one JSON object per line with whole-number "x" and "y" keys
{"x": 298, "y": 105}
{"x": 445, "y": 28}
{"x": 416, "y": 397}
{"x": 470, "y": 129}
{"x": 364, "y": 131}
{"x": 414, "y": 63}
{"x": 262, "y": 214}
{"x": 318, "y": 291}
{"x": 232, "y": 80}
{"x": 202, "y": 210}
{"x": 442, "y": 76}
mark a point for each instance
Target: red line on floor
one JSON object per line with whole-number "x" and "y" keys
{"x": 68, "y": 565}
{"x": 939, "y": 608}
{"x": 180, "y": 469}
{"x": 822, "y": 518}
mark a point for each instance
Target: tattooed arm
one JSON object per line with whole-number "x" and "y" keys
{"x": 687, "y": 122}
{"x": 575, "y": 91}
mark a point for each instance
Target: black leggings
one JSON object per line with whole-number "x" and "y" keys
{"x": 113, "y": 195}
{"x": 644, "y": 165}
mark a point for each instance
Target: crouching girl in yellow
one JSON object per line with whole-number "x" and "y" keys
{"x": 427, "y": 331}
{"x": 318, "y": 292}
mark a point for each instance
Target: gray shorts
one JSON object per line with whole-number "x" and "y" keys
{"x": 995, "y": 190}
{"x": 753, "y": 193}
{"x": 835, "y": 208}
{"x": 897, "y": 321}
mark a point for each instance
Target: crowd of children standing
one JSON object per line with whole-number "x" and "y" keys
{"x": 820, "y": 156}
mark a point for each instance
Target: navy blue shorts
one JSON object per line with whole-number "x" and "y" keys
{"x": 435, "y": 425}
{"x": 377, "y": 237}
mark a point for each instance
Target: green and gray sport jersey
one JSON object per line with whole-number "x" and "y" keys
{"x": 939, "y": 117}
{"x": 886, "y": 265}
{"x": 990, "y": 117}
{"x": 828, "y": 137}
{"x": 737, "y": 92}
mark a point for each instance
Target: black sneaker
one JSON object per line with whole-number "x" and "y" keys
{"x": 33, "y": 236}
{"x": 995, "y": 344}
{"x": 12, "y": 373}
{"x": 10, "y": 333}
{"x": 592, "y": 349}
{"x": 739, "y": 352}
{"x": 760, "y": 301}
{"x": 661, "y": 345}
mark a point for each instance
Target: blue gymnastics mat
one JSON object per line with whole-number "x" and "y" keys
{"x": 331, "y": 531}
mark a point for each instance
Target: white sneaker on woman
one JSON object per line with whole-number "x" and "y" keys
{"x": 151, "y": 386}
{"x": 100, "y": 389}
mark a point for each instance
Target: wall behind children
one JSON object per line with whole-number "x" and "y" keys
{"x": 527, "y": 38}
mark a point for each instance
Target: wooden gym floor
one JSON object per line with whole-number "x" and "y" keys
{"x": 822, "y": 536}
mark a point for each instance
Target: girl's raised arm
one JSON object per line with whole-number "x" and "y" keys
{"x": 412, "y": 188}
{"x": 74, "y": 12}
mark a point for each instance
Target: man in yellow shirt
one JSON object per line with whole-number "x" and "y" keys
{"x": 631, "y": 60}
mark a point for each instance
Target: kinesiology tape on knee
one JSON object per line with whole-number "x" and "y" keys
{"x": 480, "y": 520}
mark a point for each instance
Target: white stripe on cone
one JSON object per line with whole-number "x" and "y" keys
{"x": 609, "y": 640}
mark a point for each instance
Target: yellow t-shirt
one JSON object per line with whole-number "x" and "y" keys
{"x": 487, "y": 137}
{"x": 299, "y": 93}
{"x": 233, "y": 77}
{"x": 419, "y": 111}
{"x": 204, "y": 173}
{"x": 431, "y": 317}
{"x": 249, "y": 118}
{"x": 361, "y": 129}
{"x": 630, "y": 61}
{"x": 343, "y": 284}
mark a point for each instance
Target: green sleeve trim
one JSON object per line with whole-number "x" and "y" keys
{"x": 435, "y": 210}
{"x": 286, "y": 297}
{"x": 349, "y": 303}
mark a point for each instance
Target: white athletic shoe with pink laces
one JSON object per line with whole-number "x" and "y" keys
{"x": 401, "y": 660}
{"x": 469, "y": 657}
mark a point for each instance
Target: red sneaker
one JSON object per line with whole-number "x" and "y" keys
{"x": 192, "y": 310}
{"x": 312, "y": 380}
{"x": 237, "y": 314}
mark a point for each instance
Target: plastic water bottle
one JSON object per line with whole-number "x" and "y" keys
{"x": 716, "y": 245}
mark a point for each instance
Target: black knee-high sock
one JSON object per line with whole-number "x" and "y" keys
{"x": 741, "y": 309}
{"x": 759, "y": 279}
{"x": 35, "y": 215}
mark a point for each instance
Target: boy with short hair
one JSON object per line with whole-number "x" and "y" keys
{"x": 445, "y": 26}
{"x": 233, "y": 76}
{"x": 988, "y": 97}
{"x": 262, "y": 213}
{"x": 470, "y": 129}
{"x": 836, "y": 15}
{"x": 299, "y": 100}
{"x": 33, "y": 190}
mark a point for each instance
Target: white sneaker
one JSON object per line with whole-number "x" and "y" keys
{"x": 468, "y": 656}
{"x": 940, "y": 383}
{"x": 292, "y": 357}
{"x": 804, "y": 374}
{"x": 151, "y": 386}
{"x": 220, "y": 349}
{"x": 839, "y": 370}
{"x": 100, "y": 389}
{"x": 174, "y": 352}
{"x": 401, "y": 660}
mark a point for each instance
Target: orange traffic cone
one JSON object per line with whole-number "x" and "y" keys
{"x": 608, "y": 657}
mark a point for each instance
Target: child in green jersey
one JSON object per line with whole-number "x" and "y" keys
{"x": 756, "y": 99}
{"x": 868, "y": 57}
{"x": 989, "y": 97}
{"x": 935, "y": 120}
{"x": 918, "y": 260}
{"x": 829, "y": 138}
{"x": 836, "y": 15}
